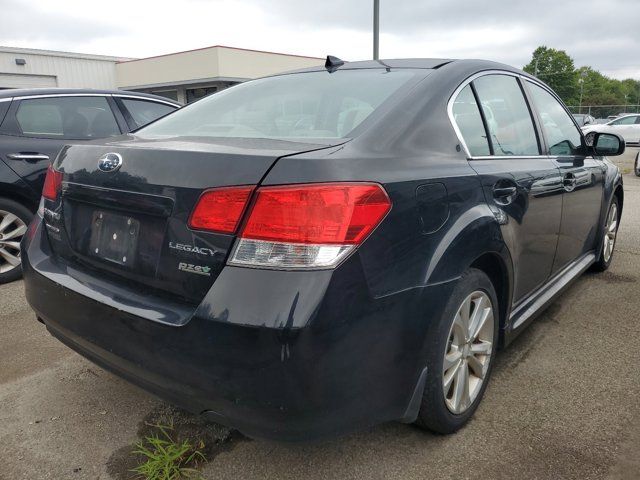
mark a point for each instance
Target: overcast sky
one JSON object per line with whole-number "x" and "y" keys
{"x": 602, "y": 34}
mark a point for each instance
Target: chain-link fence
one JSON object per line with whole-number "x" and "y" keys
{"x": 604, "y": 111}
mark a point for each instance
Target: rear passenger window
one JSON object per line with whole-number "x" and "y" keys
{"x": 467, "y": 117}
{"x": 144, "y": 112}
{"x": 37, "y": 117}
{"x": 563, "y": 136}
{"x": 507, "y": 114}
{"x": 67, "y": 117}
{"x": 624, "y": 121}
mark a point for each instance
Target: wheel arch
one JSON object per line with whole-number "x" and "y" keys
{"x": 619, "y": 194}
{"x": 613, "y": 188}
{"x": 15, "y": 196}
{"x": 476, "y": 241}
{"x": 495, "y": 267}
{"x": 13, "y": 188}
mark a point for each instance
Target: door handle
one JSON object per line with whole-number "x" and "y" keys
{"x": 504, "y": 195}
{"x": 502, "y": 192}
{"x": 29, "y": 157}
{"x": 569, "y": 182}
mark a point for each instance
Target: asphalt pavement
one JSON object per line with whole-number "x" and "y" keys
{"x": 562, "y": 402}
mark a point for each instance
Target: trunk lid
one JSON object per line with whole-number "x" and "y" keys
{"x": 130, "y": 225}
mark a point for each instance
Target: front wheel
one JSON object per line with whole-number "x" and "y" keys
{"x": 609, "y": 235}
{"x": 636, "y": 167}
{"x": 461, "y": 359}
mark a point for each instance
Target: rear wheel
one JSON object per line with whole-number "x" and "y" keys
{"x": 610, "y": 233}
{"x": 460, "y": 362}
{"x": 14, "y": 219}
{"x": 636, "y": 167}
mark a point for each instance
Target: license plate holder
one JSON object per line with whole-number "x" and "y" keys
{"x": 114, "y": 237}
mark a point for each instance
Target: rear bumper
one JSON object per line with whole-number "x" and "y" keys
{"x": 281, "y": 355}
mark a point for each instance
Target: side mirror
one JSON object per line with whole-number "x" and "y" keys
{"x": 608, "y": 144}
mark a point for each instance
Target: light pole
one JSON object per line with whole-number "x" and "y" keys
{"x": 581, "y": 82}
{"x": 376, "y": 29}
{"x": 583, "y": 75}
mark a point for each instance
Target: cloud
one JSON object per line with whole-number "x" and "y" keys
{"x": 602, "y": 35}
{"x": 23, "y": 23}
{"x": 508, "y": 30}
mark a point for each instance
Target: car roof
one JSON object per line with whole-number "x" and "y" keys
{"x": 26, "y": 92}
{"x": 417, "y": 64}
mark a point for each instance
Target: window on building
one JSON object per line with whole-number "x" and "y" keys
{"x": 194, "y": 94}
{"x": 67, "y": 117}
{"x": 170, "y": 94}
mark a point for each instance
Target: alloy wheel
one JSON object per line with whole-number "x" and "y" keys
{"x": 12, "y": 229}
{"x": 468, "y": 352}
{"x": 610, "y": 232}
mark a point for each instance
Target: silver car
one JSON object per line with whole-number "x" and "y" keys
{"x": 628, "y": 126}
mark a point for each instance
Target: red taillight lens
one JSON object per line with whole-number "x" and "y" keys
{"x": 312, "y": 226}
{"x": 220, "y": 210}
{"x": 327, "y": 214}
{"x": 52, "y": 184}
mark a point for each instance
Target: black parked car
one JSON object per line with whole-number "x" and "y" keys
{"x": 34, "y": 125}
{"x": 312, "y": 253}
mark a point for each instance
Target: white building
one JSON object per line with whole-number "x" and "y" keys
{"x": 182, "y": 76}
{"x": 31, "y": 68}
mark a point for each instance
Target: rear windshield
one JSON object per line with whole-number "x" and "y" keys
{"x": 297, "y": 106}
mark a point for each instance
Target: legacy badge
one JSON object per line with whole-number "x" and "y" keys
{"x": 191, "y": 249}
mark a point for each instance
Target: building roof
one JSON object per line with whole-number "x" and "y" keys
{"x": 54, "y": 53}
{"x": 219, "y": 46}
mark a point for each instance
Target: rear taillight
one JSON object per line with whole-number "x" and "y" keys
{"x": 309, "y": 226}
{"x": 52, "y": 184}
{"x": 220, "y": 210}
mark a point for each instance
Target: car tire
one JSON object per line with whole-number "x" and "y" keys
{"x": 636, "y": 165}
{"x": 609, "y": 235}
{"x": 437, "y": 410}
{"x": 14, "y": 219}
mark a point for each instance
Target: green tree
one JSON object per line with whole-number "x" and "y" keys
{"x": 556, "y": 69}
{"x": 631, "y": 92}
{"x": 597, "y": 89}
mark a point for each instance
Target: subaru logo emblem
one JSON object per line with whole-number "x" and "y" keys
{"x": 110, "y": 162}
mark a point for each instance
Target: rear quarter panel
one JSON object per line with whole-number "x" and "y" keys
{"x": 404, "y": 148}
{"x": 400, "y": 255}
